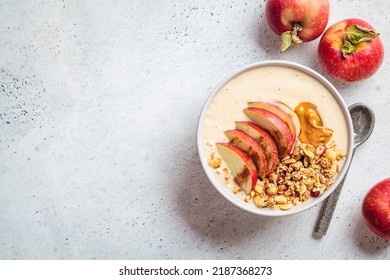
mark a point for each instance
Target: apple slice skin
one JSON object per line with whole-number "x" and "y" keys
{"x": 275, "y": 126}
{"x": 240, "y": 164}
{"x": 294, "y": 117}
{"x": 265, "y": 141}
{"x": 251, "y": 147}
{"x": 277, "y": 110}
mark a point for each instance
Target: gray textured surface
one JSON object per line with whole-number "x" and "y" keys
{"x": 99, "y": 102}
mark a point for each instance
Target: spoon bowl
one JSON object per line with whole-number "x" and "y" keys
{"x": 363, "y": 120}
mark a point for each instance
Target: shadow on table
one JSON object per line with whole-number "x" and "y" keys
{"x": 266, "y": 38}
{"x": 367, "y": 240}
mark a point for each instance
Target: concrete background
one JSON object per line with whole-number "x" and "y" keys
{"x": 99, "y": 103}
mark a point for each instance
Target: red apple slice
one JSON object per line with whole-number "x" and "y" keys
{"x": 275, "y": 126}
{"x": 240, "y": 164}
{"x": 265, "y": 141}
{"x": 251, "y": 147}
{"x": 294, "y": 117}
{"x": 277, "y": 110}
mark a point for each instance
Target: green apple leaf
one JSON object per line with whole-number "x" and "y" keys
{"x": 285, "y": 40}
{"x": 357, "y": 34}
{"x": 348, "y": 48}
{"x": 289, "y": 38}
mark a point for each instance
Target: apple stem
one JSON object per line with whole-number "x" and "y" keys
{"x": 355, "y": 35}
{"x": 289, "y": 38}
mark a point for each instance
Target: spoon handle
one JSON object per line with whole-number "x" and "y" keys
{"x": 328, "y": 208}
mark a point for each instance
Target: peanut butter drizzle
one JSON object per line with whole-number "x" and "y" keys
{"x": 312, "y": 129}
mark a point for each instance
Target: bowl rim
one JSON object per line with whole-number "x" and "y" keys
{"x": 203, "y": 157}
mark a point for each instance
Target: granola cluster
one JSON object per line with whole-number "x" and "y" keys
{"x": 308, "y": 171}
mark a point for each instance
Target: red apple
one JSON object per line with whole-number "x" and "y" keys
{"x": 376, "y": 209}
{"x": 265, "y": 141}
{"x": 297, "y": 21}
{"x": 240, "y": 164}
{"x": 251, "y": 147}
{"x": 351, "y": 50}
{"x": 275, "y": 126}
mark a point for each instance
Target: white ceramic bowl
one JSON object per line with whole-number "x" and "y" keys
{"x": 205, "y": 155}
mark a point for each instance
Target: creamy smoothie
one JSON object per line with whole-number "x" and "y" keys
{"x": 273, "y": 84}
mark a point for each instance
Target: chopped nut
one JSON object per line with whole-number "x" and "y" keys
{"x": 252, "y": 193}
{"x": 215, "y": 162}
{"x": 259, "y": 188}
{"x": 273, "y": 178}
{"x": 282, "y": 189}
{"x": 340, "y": 155}
{"x": 272, "y": 191}
{"x": 280, "y": 199}
{"x": 259, "y": 200}
{"x": 330, "y": 154}
{"x": 236, "y": 190}
{"x": 270, "y": 201}
{"x": 288, "y": 193}
{"x": 307, "y": 150}
{"x": 330, "y": 144}
{"x": 286, "y": 206}
{"x": 298, "y": 165}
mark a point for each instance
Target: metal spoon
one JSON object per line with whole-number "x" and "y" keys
{"x": 363, "y": 120}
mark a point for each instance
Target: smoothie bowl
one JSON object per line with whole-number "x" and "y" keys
{"x": 275, "y": 138}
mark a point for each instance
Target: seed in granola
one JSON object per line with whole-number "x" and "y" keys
{"x": 259, "y": 188}
{"x": 259, "y": 200}
{"x": 286, "y": 206}
{"x": 270, "y": 201}
{"x": 280, "y": 199}
{"x": 297, "y": 176}
{"x": 298, "y": 165}
{"x": 273, "y": 178}
{"x": 236, "y": 190}
{"x": 324, "y": 162}
{"x": 308, "y": 152}
{"x": 272, "y": 190}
